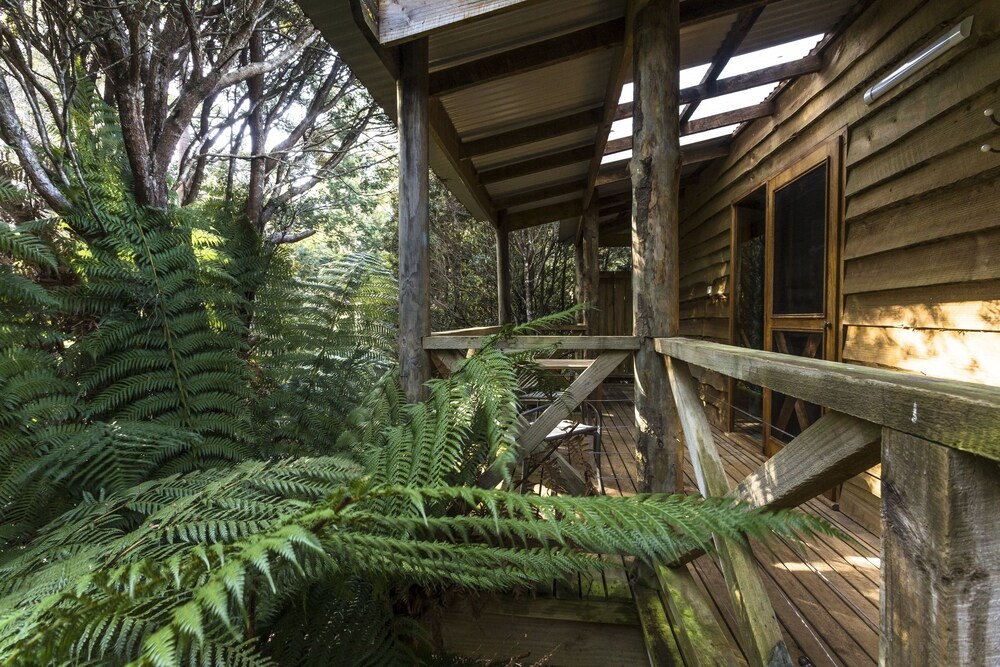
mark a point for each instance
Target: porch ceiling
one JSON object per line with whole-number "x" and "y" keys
{"x": 524, "y": 98}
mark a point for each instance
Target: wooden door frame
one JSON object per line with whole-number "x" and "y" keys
{"x": 830, "y": 154}
{"x": 734, "y": 280}
{"x": 830, "y": 151}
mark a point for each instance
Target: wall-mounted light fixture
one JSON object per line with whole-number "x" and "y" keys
{"x": 939, "y": 46}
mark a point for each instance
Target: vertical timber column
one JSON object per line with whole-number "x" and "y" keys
{"x": 655, "y": 169}
{"x": 414, "y": 224}
{"x": 940, "y": 555}
{"x": 504, "y": 313}
{"x": 589, "y": 269}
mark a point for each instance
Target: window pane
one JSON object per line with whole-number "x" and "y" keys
{"x": 800, "y": 244}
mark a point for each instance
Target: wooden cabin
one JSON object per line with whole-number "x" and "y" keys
{"x": 815, "y": 286}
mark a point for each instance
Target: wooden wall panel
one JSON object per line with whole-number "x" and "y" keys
{"x": 921, "y": 230}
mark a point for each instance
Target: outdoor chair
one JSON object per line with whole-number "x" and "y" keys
{"x": 586, "y": 424}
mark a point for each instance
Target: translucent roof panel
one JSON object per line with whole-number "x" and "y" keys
{"x": 691, "y": 76}
{"x": 776, "y": 55}
{"x": 616, "y": 157}
{"x": 620, "y": 128}
{"x": 708, "y": 135}
{"x": 733, "y": 101}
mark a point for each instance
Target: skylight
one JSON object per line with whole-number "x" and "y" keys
{"x": 775, "y": 55}
{"x": 709, "y": 134}
{"x": 733, "y": 101}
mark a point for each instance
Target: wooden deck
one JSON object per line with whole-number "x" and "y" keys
{"x": 825, "y": 593}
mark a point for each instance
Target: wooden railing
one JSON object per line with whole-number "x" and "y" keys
{"x": 938, "y": 442}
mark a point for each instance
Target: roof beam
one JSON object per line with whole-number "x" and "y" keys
{"x": 621, "y": 66}
{"x": 533, "y": 166}
{"x": 734, "y": 84}
{"x": 762, "y": 110}
{"x": 549, "y": 129}
{"x": 400, "y": 20}
{"x": 397, "y": 21}
{"x": 528, "y": 58}
{"x": 441, "y": 128}
{"x": 705, "y": 124}
{"x": 614, "y": 172}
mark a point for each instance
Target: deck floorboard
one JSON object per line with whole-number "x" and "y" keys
{"x": 825, "y": 592}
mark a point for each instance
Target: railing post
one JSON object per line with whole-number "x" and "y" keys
{"x": 757, "y": 625}
{"x": 940, "y": 555}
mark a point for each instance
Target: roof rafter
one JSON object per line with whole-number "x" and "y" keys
{"x": 734, "y": 84}
{"x": 705, "y": 124}
{"x": 614, "y": 172}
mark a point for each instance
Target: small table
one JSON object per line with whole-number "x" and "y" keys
{"x": 565, "y": 364}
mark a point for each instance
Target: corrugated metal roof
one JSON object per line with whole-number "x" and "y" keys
{"x": 700, "y": 42}
{"x": 548, "y": 92}
{"x": 537, "y": 149}
{"x": 539, "y": 180}
{"x": 792, "y": 19}
{"x": 508, "y": 30}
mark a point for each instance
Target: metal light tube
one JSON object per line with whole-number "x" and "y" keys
{"x": 946, "y": 41}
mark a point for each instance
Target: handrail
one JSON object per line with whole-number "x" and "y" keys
{"x": 470, "y": 331}
{"x": 960, "y": 415}
{"x": 522, "y": 343}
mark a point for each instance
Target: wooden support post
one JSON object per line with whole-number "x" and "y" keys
{"x": 504, "y": 313}
{"x": 656, "y": 165}
{"x": 940, "y": 555}
{"x": 759, "y": 632}
{"x": 588, "y": 265}
{"x": 414, "y": 225}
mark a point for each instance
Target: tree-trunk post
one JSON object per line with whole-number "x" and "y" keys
{"x": 504, "y": 313}
{"x": 940, "y": 555}
{"x": 589, "y": 266}
{"x": 655, "y": 166}
{"x": 414, "y": 225}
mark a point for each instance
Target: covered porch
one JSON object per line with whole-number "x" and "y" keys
{"x": 513, "y": 104}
